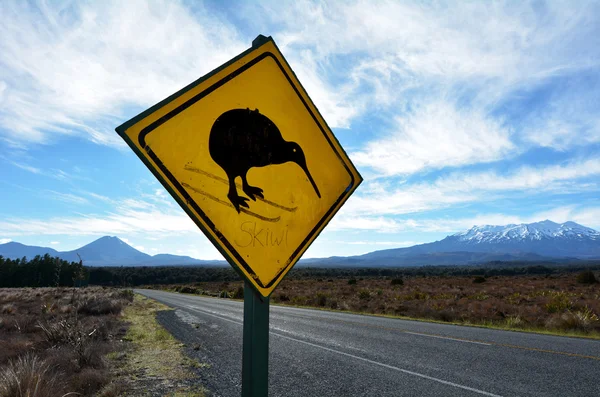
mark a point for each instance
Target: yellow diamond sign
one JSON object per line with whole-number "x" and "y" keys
{"x": 248, "y": 156}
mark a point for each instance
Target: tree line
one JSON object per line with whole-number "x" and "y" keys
{"x": 47, "y": 271}
{"x": 41, "y": 271}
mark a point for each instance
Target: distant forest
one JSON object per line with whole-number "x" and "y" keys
{"x": 47, "y": 271}
{"x": 41, "y": 271}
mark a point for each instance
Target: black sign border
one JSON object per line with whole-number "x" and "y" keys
{"x": 188, "y": 199}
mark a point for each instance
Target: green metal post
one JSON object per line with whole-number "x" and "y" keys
{"x": 255, "y": 357}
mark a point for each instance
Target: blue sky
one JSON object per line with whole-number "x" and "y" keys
{"x": 456, "y": 114}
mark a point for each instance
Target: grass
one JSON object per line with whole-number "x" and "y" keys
{"x": 155, "y": 352}
{"x": 50, "y": 346}
{"x": 557, "y": 304}
{"x": 509, "y": 325}
{"x": 27, "y": 376}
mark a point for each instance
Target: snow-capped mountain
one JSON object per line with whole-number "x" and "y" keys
{"x": 526, "y": 242}
{"x": 527, "y": 232}
{"x": 544, "y": 238}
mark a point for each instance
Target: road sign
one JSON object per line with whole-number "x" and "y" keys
{"x": 248, "y": 156}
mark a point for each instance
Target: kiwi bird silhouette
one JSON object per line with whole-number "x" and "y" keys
{"x": 241, "y": 139}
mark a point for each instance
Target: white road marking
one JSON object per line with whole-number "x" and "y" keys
{"x": 446, "y": 337}
{"x": 445, "y": 382}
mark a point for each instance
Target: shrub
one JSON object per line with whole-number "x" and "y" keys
{"x": 559, "y": 303}
{"x": 580, "y": 320}
{"x": 397, "y": 281}
{"x": 91, "y": 355}
{"x": 188, "y": 290}
{"x": 238, "y": 293}
{"x": 126, "y": 294}
{"x": 9, "y": 309}
{"x": 364, "y": 294}
{"x": 352, "y": 281}
{"x": 415, "y": 295}
{"x": 479, "y": 279}
{"x": 282, "y": 298}
{"x": 101, "y": 306}
{"x": 114, "y": 389}
{"x": 58, "y": 333}
{"x": 223, "y": 294}
{"x": 26, "y": 324}
{"x": 28, "y": 376}
{"x": 586, "y": 277}
{"x": 513, "y": 321}
{"x": 89, "y": 380}
{"x": 321, "y": 299}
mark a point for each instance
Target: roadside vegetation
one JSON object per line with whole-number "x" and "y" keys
{"x": 154, "y": 365}
{"x": 557, "y": 303}
{"x": 93, "y": 341}
{"x": 41, "y": 271}
{"x": 164, "y": 275}
{"x": 54, "y": 340}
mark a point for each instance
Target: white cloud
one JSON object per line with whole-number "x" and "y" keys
{"x": 436, "y": 135}
{"x": 130, "y": 217}
{"x": 525, "y": 178}
{"x": 466, "y": 40}
{"x": 5, "y": 240}
{"x": 333, "y": 102}
{"x": 570, "y": 120}
{"x": 74, "y": 67}
{"x": 391, "y": 243}
{"x": 26, "y": 167}
{"x": 54, "y": 242}
{"x": 54, "y": 173}
{"x": 341, "y": 222}
{"x": 446, "y": 72}
{"x": 65, "y": 197}
{"x": 379, "y": 199}
{"x": 587, "y": 216}
{"x": 98, "y": 196}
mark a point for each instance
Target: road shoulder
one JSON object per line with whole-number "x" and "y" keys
{"x": 154, "y": 363}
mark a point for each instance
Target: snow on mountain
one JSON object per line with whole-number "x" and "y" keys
{"x": 523, "y": 232}
{"x": 527, "y": 242}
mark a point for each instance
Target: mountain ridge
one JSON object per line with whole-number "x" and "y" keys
{"x": 537, "y": 241}
{"x": 104, "y": 251}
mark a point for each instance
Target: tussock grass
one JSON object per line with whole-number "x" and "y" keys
{"x": 553, "y": 304}
{"x": 28, "y": 376}
{"x": 45, "y": 336}
{"x": 8, "y": 309}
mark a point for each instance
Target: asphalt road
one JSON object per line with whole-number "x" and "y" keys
{"x": 319, "y": 353}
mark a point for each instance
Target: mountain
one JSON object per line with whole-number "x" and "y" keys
{"x": 547, "y": 238}
{"x": 106, "y": 251}
{"x": 538, "y": 241}
{"x": 16, "y": 250}
{"x": 168, "y": 259}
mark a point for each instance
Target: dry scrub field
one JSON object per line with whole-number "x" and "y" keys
{"x": 88, "y": 342}
{"x": 557, "y": 303}
{"x": 53, "y": 340}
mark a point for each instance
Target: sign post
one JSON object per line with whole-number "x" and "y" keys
{"x": 255, "y": 356}
{"x": 246, "y": 154}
